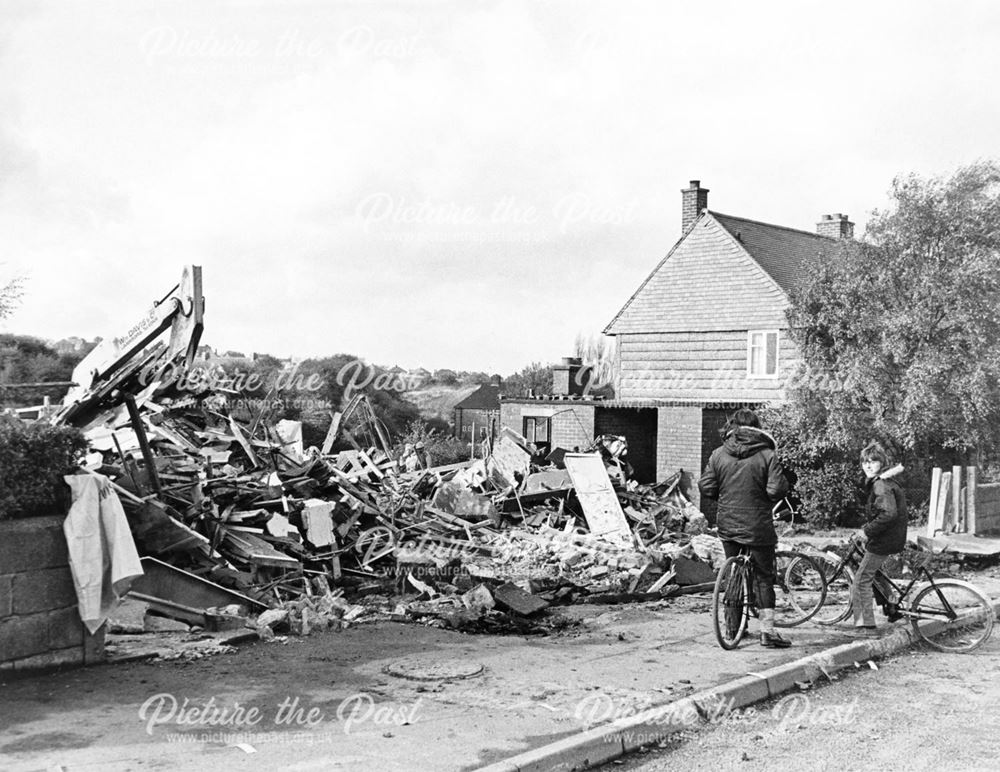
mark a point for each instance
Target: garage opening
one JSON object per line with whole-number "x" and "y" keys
{"x": 638, "y": 427}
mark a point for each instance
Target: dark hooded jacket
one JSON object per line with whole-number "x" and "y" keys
{"x": 885, "y": 510}
{"x": 747, "y": 479}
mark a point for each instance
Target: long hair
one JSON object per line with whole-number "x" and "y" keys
{"x": 875, "y": 451}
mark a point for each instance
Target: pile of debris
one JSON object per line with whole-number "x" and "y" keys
{"x": 240, "y": 524}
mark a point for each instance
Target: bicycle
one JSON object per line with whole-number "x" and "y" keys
{"x": 799, "y": 593}
{"x": 947, "y": 614}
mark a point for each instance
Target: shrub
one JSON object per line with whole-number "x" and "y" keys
{"x": 442, "y": 448}
{"x": 827, "y": 474}
{"x": 33, "y": 460}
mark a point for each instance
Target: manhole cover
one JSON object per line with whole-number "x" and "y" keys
{"x": 417, "y": 669}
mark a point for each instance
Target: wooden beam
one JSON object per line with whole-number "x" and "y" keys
{"x": 970, "y": 499}
{"x": 147, "y": 453}
{"x": 932, "y": 508}
{"x": 943, "y": 509}
{"x": 956, "y": 499}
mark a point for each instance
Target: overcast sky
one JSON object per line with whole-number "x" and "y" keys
{"x": 446, "y": 184}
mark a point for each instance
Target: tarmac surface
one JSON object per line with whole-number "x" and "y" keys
{"x": 382, "y": 695}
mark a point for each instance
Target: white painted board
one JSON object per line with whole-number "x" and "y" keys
{"x": 598, "y": 498}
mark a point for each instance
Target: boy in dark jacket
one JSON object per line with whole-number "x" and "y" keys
{"x": 747, "y": 479}
{"x": 885, "y": 531}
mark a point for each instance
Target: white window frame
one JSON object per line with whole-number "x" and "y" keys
{"x": 777, "y": 353}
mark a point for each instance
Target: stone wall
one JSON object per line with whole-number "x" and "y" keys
{"x": 39, "y": 622}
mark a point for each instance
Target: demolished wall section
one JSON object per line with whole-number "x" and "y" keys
{"x": 39, "y": 622}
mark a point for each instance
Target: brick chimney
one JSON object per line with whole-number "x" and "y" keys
{"x": 565, "y": 377}
{"x": 693, "y": 200}
{"x": 836, "y": 226}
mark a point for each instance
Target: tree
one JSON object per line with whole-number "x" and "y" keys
{"x": 536, "y": 378}
{"x": 24, "y": 359}
{"x": 10, "y": 294}
{"x": 900, "y": 333}
{"x": 597, "y": 352}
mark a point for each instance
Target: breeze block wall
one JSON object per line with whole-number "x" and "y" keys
{"x": 39, "y": 623}
{"x": 988, "y": 509}
{"x": 678, "y": 441}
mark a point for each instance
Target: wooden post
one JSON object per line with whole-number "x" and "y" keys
{"x": 472, "y": 443}
{"x": 943, "y": 510}
{"x": 932, "y": 508}
{"x": 956, "y": 499}
{"x": 147, "y": 454}
{"x": 970, "y": 499}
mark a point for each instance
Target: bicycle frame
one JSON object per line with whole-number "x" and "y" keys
{"x": 854, "y": 556}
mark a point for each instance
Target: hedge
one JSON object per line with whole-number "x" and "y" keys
{"x": 33, "y": 460}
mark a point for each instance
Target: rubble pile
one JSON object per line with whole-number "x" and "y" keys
{"x": 241, "y": 525}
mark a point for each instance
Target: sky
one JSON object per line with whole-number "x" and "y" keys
{"x": 464, "y": 185}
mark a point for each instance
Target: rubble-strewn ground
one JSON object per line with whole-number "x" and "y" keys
{"x": 531, "y": 690}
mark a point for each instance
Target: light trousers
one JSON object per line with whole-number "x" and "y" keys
{"x": 861, "y": 591}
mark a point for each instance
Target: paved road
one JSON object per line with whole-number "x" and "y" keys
{"x": 531, "y": 691}
{"x": 918, "y": 711}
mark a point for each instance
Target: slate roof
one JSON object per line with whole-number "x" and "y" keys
{"x": 486, "y": 397}
{"x": 780, "y": 251}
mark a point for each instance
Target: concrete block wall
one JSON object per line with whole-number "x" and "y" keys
{"x": 678, "y": 446}
{"x": 571, "y": 425}
{"x": 39, "y": 622}
{"x": 988, "y": 509}
{"x": 573, "y": 428}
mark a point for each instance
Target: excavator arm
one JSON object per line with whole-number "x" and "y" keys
{"x": 181, "y": 311}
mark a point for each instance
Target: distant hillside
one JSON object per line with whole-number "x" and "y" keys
{"x": 438, "y": 400}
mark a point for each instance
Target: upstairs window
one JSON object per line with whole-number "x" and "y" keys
{"x": 762, "y": 354}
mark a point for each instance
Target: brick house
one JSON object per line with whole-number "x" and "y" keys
{"x": 478, "y": 411}
{"x": 705, "y": 333}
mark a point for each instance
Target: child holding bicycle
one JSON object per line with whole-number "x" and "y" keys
{"x": 883, "y": 534}
{"x": 744, "y": 475}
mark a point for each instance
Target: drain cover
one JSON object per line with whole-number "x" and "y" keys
{"x": 420, "y": 669}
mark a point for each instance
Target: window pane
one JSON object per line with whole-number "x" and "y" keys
{"x": 772, "y": 353}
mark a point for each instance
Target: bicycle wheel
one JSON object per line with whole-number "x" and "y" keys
{"x": 730, "y": 602}
{"x": 952, "y": 615}
{"x": 839, "y": 581}
{"x": 800, "y": 589}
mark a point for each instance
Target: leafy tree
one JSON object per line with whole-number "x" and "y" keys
{"x": 440, "y": 445}
{"x": 536, "y": 378}
{"x": 900, "y": 333}
{"x": 24, "y": 359}
{"x": 446, "y": 377}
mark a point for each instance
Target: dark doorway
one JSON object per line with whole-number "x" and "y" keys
{"x": 638, "y": 427}
{"x": 712, "y": 422}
